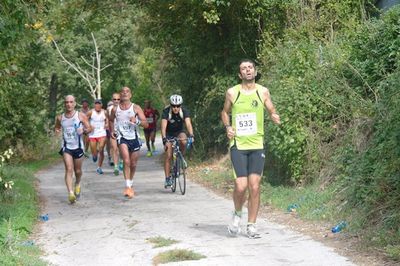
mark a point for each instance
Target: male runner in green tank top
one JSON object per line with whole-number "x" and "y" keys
{"x": 246, "y": 102}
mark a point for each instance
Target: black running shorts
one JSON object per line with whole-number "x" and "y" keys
{"x": 133, "y": 144}
{"x": 76, "y": 154}
{"x": 246, "y": 162}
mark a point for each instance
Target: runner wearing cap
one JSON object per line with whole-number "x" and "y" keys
{"x": 98, "y": 119}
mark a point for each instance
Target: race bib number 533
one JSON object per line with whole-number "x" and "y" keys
{"x": 246, "y": 124}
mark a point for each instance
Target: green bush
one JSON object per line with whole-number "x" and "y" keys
{"x": 369, "y": 169}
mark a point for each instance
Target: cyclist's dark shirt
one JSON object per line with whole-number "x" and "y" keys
{"x": 175, "y": 124}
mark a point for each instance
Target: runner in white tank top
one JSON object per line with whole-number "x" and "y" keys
{"x": 125, "y": 127}
{"x": 72, "y": 140}
{"x": 97, "y": 139}
{"x": 98, "y": 123}
{"x": 128, "y": 116}
{"x": 72, "y": 125}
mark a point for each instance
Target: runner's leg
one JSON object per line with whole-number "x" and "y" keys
{"x": 239, "y": 193}
{"x": 69, "y": 170}
{"x": 114, "y": 150}
{"x": 254, "y": 197}
{"x": 78, "y": 170}
{"x": 93, "y": 148}
{"x": 102, "y": 143}
{"x": 134, "y": 156}
{"x": 147, "y": 137}
{"x": 153, "y": 138}
{"x": 124, "y": 152}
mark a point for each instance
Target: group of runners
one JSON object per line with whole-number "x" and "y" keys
{"x": 117, "y": 130}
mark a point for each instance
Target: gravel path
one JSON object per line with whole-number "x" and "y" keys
{"x": 104, "y": 228}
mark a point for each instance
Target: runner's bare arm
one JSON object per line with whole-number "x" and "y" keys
{"x": 164, "y": 123}
{"x": 270, "y": 106}
{"x": 87, "y": 128}
{"x": 57, "y": 126}
{"x": 230, "y": 132}
{"x": 106, "y": 121}
{"x": 142, "y": 118}
{"x": 111, "y": 122}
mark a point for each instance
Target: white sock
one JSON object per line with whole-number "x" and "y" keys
{"x": 128, "y": 183}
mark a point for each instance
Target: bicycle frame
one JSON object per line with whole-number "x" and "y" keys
{"x": 178, "y": 166}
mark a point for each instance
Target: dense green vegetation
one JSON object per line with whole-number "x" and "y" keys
{"x": 19, "y": 211}
{"x": 331, "y": 67}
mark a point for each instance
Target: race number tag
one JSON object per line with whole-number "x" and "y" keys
{"x": 98, "y": 126}
{"x": 150, "y": 120}
{"x": 69, "y": 133}
{"x": 126, "y": 126}
{"x": 246, "y": 124}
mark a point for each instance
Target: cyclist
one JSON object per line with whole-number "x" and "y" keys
{"x": 152, "y": 115}
{"x": 172, "y": 120}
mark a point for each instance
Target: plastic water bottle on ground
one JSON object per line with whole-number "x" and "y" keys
{"x": 44, "y": 218}
{"x": 293, "y": 207}
{"x": 339, "y": 227}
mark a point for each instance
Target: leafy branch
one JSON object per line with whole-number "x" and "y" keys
{"x": 92, "y": 75}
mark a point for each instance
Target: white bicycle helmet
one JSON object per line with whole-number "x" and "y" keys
{"x": 176, "y": 99}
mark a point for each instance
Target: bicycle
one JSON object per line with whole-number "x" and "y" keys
{"x": 178, "y": 167}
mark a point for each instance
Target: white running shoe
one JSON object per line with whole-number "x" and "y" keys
{"x": 234, "y": 226}
{"x": 251, "y": 231}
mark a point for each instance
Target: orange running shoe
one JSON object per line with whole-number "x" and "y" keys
{"x": 128, "y": 192}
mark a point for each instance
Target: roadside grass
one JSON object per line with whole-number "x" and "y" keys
{"x": 316, "y": 202}
{"x": 176, "y": 255}
{"x": 311, "y": 202}
{"x": 160, "y": 241}
{"x": 19, "y": 211}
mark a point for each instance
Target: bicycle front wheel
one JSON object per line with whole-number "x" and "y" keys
{"x": 181, "y": 175}
{"x": 174, "y": 175}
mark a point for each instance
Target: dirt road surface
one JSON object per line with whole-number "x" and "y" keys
{"x": 104, "y": 228}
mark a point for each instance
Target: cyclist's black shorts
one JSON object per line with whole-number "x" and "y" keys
{"x": 246, "y": 162}
{"x": 171, "y": 135}
{"x": 76, "y": 154}
{"x": 133, "y": 144}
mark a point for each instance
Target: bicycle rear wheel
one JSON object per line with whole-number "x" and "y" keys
{"x": 181, "y": 174}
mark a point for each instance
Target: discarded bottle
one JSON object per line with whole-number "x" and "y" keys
{"x": 28, "y": 243}
{"x": 292, "y": 207}
{"x": 339, "y": 227}
{"x": 44, "y": 218}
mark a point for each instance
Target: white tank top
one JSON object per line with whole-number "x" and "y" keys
{"x": 71, "y": 139}
{"x": 98, "y": 121}
{"x": 125, "y": 128}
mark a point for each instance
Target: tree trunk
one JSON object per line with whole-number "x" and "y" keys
{"x": 53, "y": 96}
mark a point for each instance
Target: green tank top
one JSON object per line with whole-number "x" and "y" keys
{"x": 248, "y": 120}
